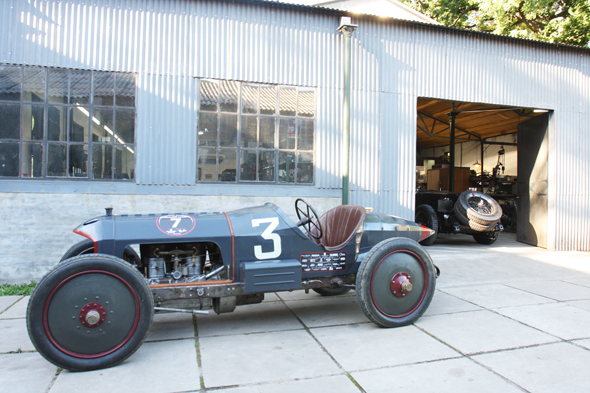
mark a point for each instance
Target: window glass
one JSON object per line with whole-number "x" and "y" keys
{"x": 305, "y": 168}
{"x": 57, "y": 123}
{"x": 58, "y": 86}
{"x": 306, "y": 102}
{"x": 102, "y": 126}
{"x": 305, "y": 135}
{"x": 286, "y": 167}
{"x": 80, "y": 87}
{"x": 102, "y": 156}
{"x": 287, "y": 133}
{"x": 9, "y": 121}
{"x": 207, "y": 164}
{"x": 227, "y": 165}
{"x": 228, "y": 131}
{"x": 268, "y": 100}
{"x": 56, "y": 159}
{"x": 249, "y": 98}
{"x": 51, "y": 127}
{"x": 248, "y": 165}
{"x": 9, "y": 159}
{"x": 249, "y": 132}
{"x": 78, "y": 160}
{"x": 79, "y": 121}
{"x": 228, "y": 96}
{"x": 266, "y": 166}
{"x": 104, "y": 87}
{"x": 32, "y": 122}
{"x": 124, "y": 125}
{"x": 33, "y": 84}
{"x": 288, "y": 101}
{"x": 32, "y": 164}
{"x": 209, "y": 95}
{"x": 267, "y": 132}
{"x": 124, "y": 162}
{"x": 10, "y": 82}
{"x": 207, "y": 129}
{"x": 268, "y": 137}
{"x": 125, "y": 89}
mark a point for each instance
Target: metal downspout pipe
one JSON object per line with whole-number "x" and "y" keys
{"x": 346, "y": 28}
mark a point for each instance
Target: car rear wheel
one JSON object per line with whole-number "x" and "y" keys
{"x": 396, "y": 282}
{"x": 90, "y": 312}
{"x": 425, "y": 215}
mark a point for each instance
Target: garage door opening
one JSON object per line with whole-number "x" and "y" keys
{"x": 500, "y": 151}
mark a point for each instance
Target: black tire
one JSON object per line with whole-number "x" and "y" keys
{"x": 381, "y": 272}
{"x": 90, "y": 312}
{"x": 86, "y": 246}
{"x": 487, "y": 238}
{"x": 425, "y": 215}
{"x": 479, "y": 208}
{"x": 331, "y": 291}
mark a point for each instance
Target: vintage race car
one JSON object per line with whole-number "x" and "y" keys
{"x": 95, "y": 308}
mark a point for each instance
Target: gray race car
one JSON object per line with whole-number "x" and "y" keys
{"x": 95, "y": 308}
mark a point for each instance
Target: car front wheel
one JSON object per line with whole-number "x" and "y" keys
{"x": 396, "y": 282}
{"x": 90, "y": 312}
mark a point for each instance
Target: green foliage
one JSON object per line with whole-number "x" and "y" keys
{"x": 18, "y": 290}
{"x": 556, "y": 21}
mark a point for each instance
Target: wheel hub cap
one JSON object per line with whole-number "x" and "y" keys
{"x": 92, "y": 315}
{"x": 401, "y": 284}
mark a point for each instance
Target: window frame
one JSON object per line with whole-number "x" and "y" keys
{"x": 66, "y": 108}
{"x": 241, "y": 115}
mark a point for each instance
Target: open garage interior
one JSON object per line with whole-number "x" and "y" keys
{"x": 500, "y": 151}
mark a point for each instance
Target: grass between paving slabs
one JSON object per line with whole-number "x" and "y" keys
{"x": 17, "y": 290}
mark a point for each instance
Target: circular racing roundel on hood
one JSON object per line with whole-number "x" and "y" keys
{"x": 176, "y": 224}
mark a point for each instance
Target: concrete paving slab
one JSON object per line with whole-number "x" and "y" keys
{"x": 338, "y": 383}
{"x": 366, "y": 346}
{"x": 25, "y": 372}
{"x": 560, "y": 319}
{"x": 583, "y": 304}
{"x": 443, "y": 303}
{"x": 583, "y": 343}
{"x": 171, "y": 326}
{"x": 481, "y": 331}
{"x": 560, "y": 367}
{"x": 497, "y": 296}
{"x": 252, "y": 318}
{"x": 447, "y": 376}
{"x": 556, "y": 290}
{"x": 14, "y": 336}
{"x": 157, "y": 367}
{"x": 271, "y": 297}
{"x": 583, "y": 281}
{"x": 7, "y": 301}
{"x": 17, "y": 310}
{"x": 328, "y": 311}
{"x": 263, "y": 357}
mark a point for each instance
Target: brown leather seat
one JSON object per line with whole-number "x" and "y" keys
{"x": 340, "y": 224}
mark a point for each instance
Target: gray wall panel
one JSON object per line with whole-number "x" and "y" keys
{"x": 170, "y": 43}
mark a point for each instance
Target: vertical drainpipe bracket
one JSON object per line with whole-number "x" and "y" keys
{"x": 346, "y": 28}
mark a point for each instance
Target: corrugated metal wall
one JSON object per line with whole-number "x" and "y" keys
{"x": 170, "y": 43}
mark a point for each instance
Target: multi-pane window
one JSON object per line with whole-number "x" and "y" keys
{"x": 251, "y": 132}
{"x": 58, "y": 123}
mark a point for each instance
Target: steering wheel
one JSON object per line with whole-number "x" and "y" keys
{"x": 308, "y": 218}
